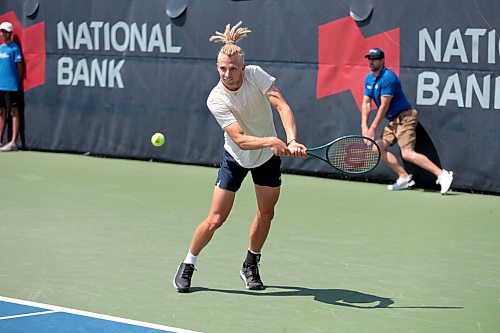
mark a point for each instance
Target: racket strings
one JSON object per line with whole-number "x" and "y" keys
{"x": 353, "y": 155}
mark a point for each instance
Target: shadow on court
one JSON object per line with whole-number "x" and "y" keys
{"x": 339, "y": 297}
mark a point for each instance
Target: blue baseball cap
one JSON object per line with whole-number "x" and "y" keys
{"x": 375, "y": 54}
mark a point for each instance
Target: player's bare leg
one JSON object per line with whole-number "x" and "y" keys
{"x": 444, "y": 177}
{"x": 391, "y": 160}
{"x": 421, "y": 160}
{"x": 10, "y": 145}
{"x": 267, "y": 197}
{"x": 15, "y": 124}
{"x": 404, "y": 180}
{"x": 222, "y": 203}
{"x": 3, "y": 116}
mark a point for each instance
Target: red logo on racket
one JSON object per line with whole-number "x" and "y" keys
{"x": 341, "y": 62}
{"x": 32, "y": 43}
{"x": 355, "y": 155}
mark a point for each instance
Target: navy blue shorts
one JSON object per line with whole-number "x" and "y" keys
{"x": 8, "y": 99}
{"x": 231, "y": 174}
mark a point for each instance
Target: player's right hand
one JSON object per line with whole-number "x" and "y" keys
{"x": 279, "y": 148}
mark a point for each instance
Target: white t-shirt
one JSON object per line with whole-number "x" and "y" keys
{"x": 250, "y": 108}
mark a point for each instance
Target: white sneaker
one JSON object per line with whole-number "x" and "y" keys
{"x": 401, "y": 183}
{"x": 8, "y": 147}
{"x": 445, "y": 180}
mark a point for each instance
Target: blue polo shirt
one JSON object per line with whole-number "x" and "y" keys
{"x": 387, "y": 83}
{"x": 9, "y": 76}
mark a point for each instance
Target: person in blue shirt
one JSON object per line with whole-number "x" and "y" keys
{"x": 11, "y": 72}
{"x": 384, "y": 87}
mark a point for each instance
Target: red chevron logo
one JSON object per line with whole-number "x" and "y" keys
{"x": 32, "y": 43}
{"x": 341, "y": 62}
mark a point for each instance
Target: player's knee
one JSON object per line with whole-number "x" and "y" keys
{"x": 408, "y": 154}
{"x": 266, "y": 216}
{"x": 215, "y": 222}
{"x": 383, "y": 145}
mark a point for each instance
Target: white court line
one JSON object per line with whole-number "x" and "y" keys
{"x": 28, "y": 314}
{"x": 55, "y": 308}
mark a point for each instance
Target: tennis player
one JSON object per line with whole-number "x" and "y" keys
{"x": 242, "y": 105}
{"x": 11, "y": 73}
{"x": 384, "y": 87}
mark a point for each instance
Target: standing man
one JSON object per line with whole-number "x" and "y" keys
{"x": 384, "y": 87}
{"x": 241, "y": 104}
{"x": 11, "y": 73}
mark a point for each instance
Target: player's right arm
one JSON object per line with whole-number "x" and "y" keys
{"x": 365, "y": 114}
{"x": 249, "y": 142}
{"x": 385, "y": 102}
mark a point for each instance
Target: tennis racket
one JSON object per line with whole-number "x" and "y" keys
{"x": 351, "y": 154}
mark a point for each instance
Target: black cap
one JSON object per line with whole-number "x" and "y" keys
{"x": 375, "y": 54}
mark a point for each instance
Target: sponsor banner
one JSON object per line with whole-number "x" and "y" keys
{"x": 101, "y": 77}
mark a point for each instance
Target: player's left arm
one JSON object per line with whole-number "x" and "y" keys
{"x": 20, "y": 72}
{"x": 277, "y": 100}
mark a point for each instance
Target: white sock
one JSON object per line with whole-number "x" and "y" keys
{"x": 190, "y": 258}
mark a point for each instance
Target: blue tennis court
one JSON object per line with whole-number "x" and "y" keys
{"x": 18, "y": 316}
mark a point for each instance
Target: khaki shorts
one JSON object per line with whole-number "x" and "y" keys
{"x": 402, "y": 129}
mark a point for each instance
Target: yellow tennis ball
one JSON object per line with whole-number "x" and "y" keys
{"x": 158, "y": 139}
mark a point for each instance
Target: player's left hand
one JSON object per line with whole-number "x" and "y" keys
{"x": 297, "y": 149}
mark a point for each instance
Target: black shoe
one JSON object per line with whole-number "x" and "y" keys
{"x": 250, "y": 275}
{"x": 182, "y": 279}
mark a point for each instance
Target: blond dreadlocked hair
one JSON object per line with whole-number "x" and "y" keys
{"x": 230, "y": 37}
